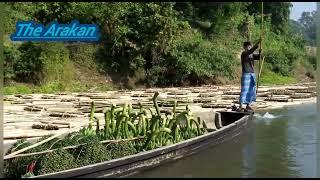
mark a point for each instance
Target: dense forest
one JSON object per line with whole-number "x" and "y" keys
{"x": 155, "y": 44}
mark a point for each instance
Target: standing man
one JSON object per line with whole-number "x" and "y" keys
{"x": 248, "y": 79}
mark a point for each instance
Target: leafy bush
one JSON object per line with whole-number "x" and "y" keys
{"x": 11, "y": 56}
{"x": 84, "y": 54}
{"x": 28, "y": 68}
{"x": 194, "y": 55}
{"x": 56, "y": 64}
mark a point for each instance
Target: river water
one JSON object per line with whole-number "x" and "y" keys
{"x": 280, "y": 143}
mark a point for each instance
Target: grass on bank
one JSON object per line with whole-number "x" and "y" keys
{"x": 271, "y": 78}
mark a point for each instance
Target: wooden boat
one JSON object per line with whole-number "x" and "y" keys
{"x": 228, "y": 125}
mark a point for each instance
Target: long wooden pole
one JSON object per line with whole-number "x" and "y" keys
{"x": 38, "y": 144}
{"x": 261, "y": 59}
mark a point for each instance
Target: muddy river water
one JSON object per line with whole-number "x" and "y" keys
{"x": 280, "y": 143}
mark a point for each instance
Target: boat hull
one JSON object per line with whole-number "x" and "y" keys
{"x": 145, "y": 160}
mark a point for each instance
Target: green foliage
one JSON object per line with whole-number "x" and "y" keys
{"x": 18, "y": 166}
{"x": 28, "y": 67}
{"x": 194, "y": 55}
{"x": 280, "y": 51}
{"x": 56, "y": 161}
{"x": 11, "y": 56}
{"x": 92, "y": 153}
{"x": 278, "y": 12}
{"x": 83, "y": 54}
{"x": 17, "y": 89}
{"x": 158, "y": 44}
{"x": 270, "y": 78}
{"x": 307, "y": 21}
{"x": 118, "y": 150}
{"x": 57, "y": 66}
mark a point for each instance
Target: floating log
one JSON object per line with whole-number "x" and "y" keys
{"x": 65, "y": 111}
{"x": 231, "y": 92}
{"x": 9, "y": 99}
{"x": 295, "y": 88}
{"x": 26, "y": 97}
{"x": 104, "y": 97}
{"x": 301, "y": 96}
{"x": 266, "y": 94}
{"x": 60, "y": 123}
{"x": 282, "y": 92}
{"x": 207, "y": 95}
{"x": 88, "y": 106}
{"x": 236, "y": 102}
{"x": 64, "y": 115}
{"x": 178, "y": 93}
{"x": 45, "y": 127}
{"x": 61, "y": 93}
{"x": 215, "y": 105}
{"x": 34, "y": 108}
{"x": 304, "y": 91}
{"x": 49, "y": 97}
{"x": 123, "y": 91}
{"x": 278, "y": 99}
{"x": 230, "y": 97}
{"x": 69, "y": 99}
{"x": 197, "y": 90}
{"x": 151, "y": 91}
{"x": 170, "y": 104}
{"x": 136, "y": 106}
{"x": 141, "y": 95}
{"x": 17, "y": 102}
{"x": 203, "y": 100}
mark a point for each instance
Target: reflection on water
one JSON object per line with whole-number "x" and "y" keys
{"x": 284, "y": 146}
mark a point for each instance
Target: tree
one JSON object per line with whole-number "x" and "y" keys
{"x": 307, "y": 20}
{"x": 279, "y": 12}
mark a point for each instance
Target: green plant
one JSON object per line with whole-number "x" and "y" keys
{"x": 57, "y": 66}
{"x": 56, "y": 161}
{"x": 91, "y": 153}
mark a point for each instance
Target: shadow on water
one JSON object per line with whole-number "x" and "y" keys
{"x": 284, "y": 145}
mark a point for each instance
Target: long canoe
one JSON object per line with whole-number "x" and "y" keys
{"x": 229, "y": 125}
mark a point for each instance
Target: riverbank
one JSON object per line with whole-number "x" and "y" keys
{"x": 71, "y": 110}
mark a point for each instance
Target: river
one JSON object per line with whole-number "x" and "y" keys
{"x": 280, "y": 143}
